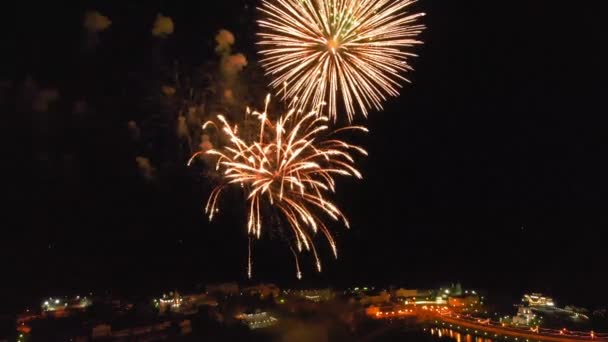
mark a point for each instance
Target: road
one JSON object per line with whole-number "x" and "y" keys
{"x": 495, "y": 330}
{"x": 442, "y": 317}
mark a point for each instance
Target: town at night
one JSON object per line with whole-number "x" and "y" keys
{"x": 265, "y": 312}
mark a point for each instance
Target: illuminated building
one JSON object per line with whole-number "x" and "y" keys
{"x": 316, "y": 295}
{"x": 452, "y": 290}
{"x": 537, "y": 299}
{"x": 524, "y": 316}
{"x": 359, "y": 290}
{"x": 258, "y": 320}
{"x": 464, "y": 301}
{"x": 413, "y": 294}
{"x": 198, "y": 299}
{"x": 186, "y": 304}
{"x": 171, "y": 302}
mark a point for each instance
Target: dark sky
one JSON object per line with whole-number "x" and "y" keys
{"x": 489, "y": 169}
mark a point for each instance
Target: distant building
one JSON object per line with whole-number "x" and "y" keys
{"x": 412, "y": 294}
{"x": 524, "y": 316}
{"x": 258, "y": 320}
{"x": 439, "y": 300}
{"x": 382, "y": 297}
{"x": 187, "y": 304}
{"x": 171, "y": 302}
{"x": 198, "y": 299}
{"x": 464, "y": 301}
{"x": 357, "y": 291}
{"x": 537, "y": 299}
{"x": 316, "y": 295}
{"x": 452, "y": 290}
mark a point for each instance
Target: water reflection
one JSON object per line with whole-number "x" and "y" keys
{"x": 454, "y": 335}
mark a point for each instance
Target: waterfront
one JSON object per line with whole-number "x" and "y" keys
{"x": 265, "y": 312}
{"x": 442, "y": 334}
{"x": 435, "y": 334}
{"x": 427, "y": 335}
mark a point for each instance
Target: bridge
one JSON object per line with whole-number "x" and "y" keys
{"x": 497, "y": 331}
{"x": 442, "y": 317}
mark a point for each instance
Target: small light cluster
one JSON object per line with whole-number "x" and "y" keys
{"x": 55, "y": 304}
{"x": 395, "y": 313}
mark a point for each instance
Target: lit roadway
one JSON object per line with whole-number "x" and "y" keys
{"x": 443, "y": 318}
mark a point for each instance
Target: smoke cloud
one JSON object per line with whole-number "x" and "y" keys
{"x": 96, "y": 22}
{"x": 233, "y": 64}
{"x": 163, "y": 26}
{"x": 167, "y": 90}
{"x": 146, "y": 169}
{"x": 182, "y": 128}
{"x": 224, "y": 39}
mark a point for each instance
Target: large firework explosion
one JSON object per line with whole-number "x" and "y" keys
{"x": 290, "y": 165}
{"x": 326, "y": 49}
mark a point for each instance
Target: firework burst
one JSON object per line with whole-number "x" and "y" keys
{"x": 290, "y": 165}
{"x": 355, "y": 49}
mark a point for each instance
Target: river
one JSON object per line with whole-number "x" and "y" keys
{"x": 429, "y": 335}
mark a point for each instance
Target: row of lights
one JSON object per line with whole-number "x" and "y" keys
{"x": 562, "y": 331}
{"x": 485, "y": 334}
{"x": 393, "y": 313}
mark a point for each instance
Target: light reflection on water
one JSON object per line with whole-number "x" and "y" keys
{"x": 445, "y": 334}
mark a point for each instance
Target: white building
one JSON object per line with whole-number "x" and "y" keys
{"x": 258, "y": 320}
{"x": 537, "y": 299}
{"x": 524, "y": 316}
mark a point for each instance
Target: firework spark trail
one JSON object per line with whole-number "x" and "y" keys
{"x": 290, "y": 166}
{"x": 249, "y": 260}
{"x": 325, "y": 48}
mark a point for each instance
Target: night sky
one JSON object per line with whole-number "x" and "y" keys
{"x": 489, "y": 169}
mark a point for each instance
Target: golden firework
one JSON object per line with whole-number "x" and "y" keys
{"x": 290, "y": 165}
{"x": 354, "y": 49}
